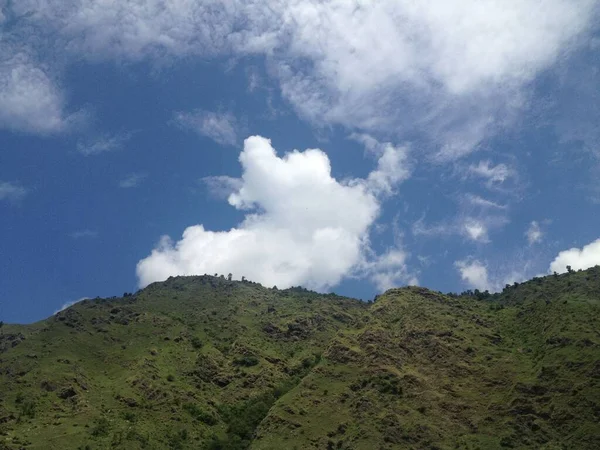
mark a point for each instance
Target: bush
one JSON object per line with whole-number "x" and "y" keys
{"x": 129, "y": 416}
{"x": 177, "y": 441}
{"x": 246, "y": 361}
{"x": 28, "y": 409}
{"x": 243, "y": 418}
{"x": 102, "y": 427}
{"x": 199, "y": 414}
{"x": 197, "y": 343}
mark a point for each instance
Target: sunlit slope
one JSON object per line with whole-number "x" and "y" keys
{"x": 202, "y": 362}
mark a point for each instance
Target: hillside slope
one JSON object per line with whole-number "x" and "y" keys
{"x": 202, "y": 362}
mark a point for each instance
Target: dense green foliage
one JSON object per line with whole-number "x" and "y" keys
{"x": 209, "y": 363}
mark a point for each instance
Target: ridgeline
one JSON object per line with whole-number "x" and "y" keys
{"x": 207, "y": 363}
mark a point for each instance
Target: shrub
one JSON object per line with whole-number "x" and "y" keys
{"x": 101, "y": 428}
{"x": 197, "y": 342}
{"x": 28, "y": 409}
{"x": 199, "y": 414}
{"x": 246, "y": 361}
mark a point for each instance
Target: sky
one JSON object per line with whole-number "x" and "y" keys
{"x": 344, "y": 146}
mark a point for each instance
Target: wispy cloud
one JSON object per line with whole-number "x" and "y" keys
{"x": 84, "y": 234}
{"x": 475, "y": 229}
{"x": 481, "y": 202}
{"x": 534, "y": 233}
{"x": 451, "y": 71}
{"x": 69, "y": 304}
{"x": 30, "y": 99}
{"x": 492, "y": 174}
{"x": 102, "y": 144}
{"x": 12, "y": 192}
{"x": 132, "y": 180}
{"x": 222, "y": 186}
{"x": 393, "y": 166}
{"x": 220, "y": 127}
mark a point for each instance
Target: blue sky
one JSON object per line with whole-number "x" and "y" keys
{"x": 453, "y": 144}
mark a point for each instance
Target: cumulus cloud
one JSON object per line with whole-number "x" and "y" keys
{"x": 534, "y": 233}
{"x": 583, "y": 258}
{"x": 474, "y": 273}
{"x": 457, "y": 67}
{"x": 11, "y": 192}
{"x": 392, "y": 166}
{"x": 220, "y": 127}
{"x": 30, "y": 100}
{"x": 132, "y": 180}
{"x": 302, "y": 226}
{"x": 102, "y": 144}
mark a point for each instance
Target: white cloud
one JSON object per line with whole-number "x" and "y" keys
{"x": 69, "y": 304}
{"x": 534, "y": 233}
{"x": 11, "y": 192}
{"x": 497, "y": 174}
{"x": 584, "y": 258}
{"x": 474, "y": 273}
{"x": 449, "y": 70}
{"x": 132, "y": 180}
{"x": 102, "y": 144}
{"x": 476, "y": 230}
{"x": 30, "y": 100}
{"x": 483, "y": 203}
{"x": 301, "y": 227}
{"x": 456, "y": 67}
{"x": 220, "y": 127}
{"x": 392, "y": 167}
{"x": 509, "y": 269}
{"x": 390, "y": 270}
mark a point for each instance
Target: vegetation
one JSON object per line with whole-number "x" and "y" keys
{"x": 207, "y": 362}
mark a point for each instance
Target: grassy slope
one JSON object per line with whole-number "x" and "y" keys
{"x": 200, "y": 362}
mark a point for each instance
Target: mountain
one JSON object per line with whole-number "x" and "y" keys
{"x": 206, "y": 363}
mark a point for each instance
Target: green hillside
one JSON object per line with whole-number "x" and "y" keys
{"x": 207, "y": 363}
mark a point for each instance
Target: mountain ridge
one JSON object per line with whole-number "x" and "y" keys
{"x": 205, "y": 362}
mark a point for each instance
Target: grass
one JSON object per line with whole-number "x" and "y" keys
{"x": 202, "y": 362}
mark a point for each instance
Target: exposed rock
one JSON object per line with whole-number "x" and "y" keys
{"x": 67, "y": 393}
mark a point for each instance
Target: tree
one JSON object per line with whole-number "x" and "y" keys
{"x": 243, "y": 278}
{"x": 570, "y": 269}
{"x": 229, "y": 277}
